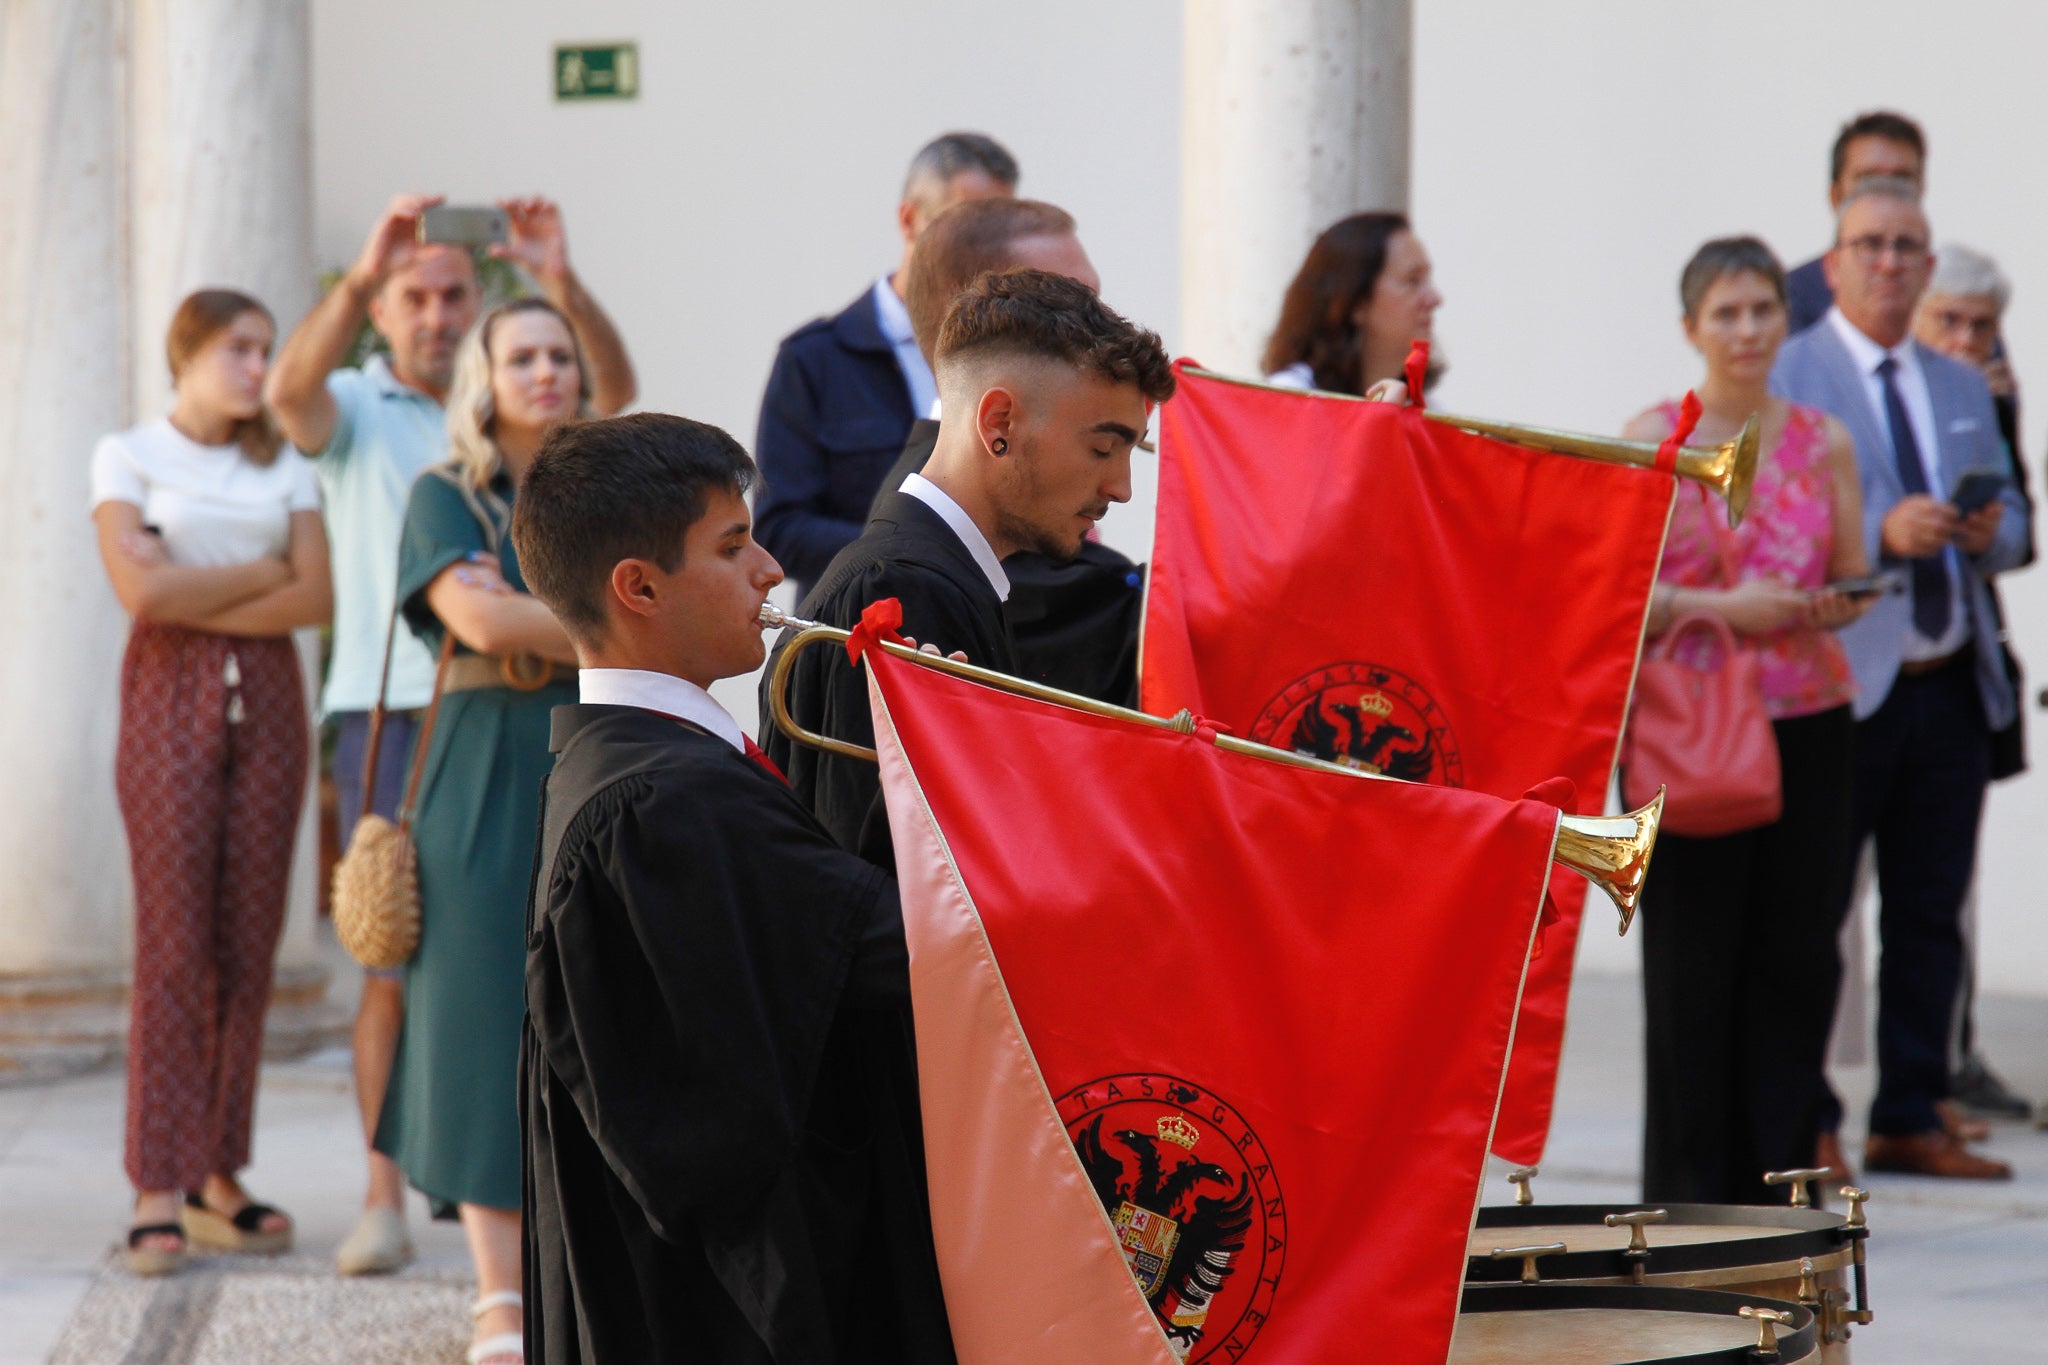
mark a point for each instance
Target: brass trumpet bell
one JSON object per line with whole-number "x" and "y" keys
{"x": 1612, "y": 852}
{"x": 1728, "y": 468}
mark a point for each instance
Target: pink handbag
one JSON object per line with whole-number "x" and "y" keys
{"x": 1703, "y": 735}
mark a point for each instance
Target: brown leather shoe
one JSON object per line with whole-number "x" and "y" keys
{"x": 1829, "y": 1156}
{"x": 1931, "y": 1153}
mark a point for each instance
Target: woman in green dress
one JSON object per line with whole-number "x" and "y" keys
{"x": 450, "y": 1118}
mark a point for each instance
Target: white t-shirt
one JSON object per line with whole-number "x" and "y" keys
{"x": 212, "y": 504}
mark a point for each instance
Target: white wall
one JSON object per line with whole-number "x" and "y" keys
{"x": 1568, "y": 157}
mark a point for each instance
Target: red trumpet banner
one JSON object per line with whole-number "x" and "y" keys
{"x": 1209, "y": 1045}
{"x": 1355, "y": 581}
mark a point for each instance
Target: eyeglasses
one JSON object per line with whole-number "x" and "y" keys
{"x": 1977, "y": 328}
{"x": 1870, "y": 250}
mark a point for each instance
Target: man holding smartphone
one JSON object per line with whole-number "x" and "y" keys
{"x": 1931, "y": 683}
{"x": 370, "y": 432}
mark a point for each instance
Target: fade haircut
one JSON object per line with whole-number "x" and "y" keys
{"x": 1720, "y": 258}
{"x": 1038, "y": 314}
{"x": 1881, "y": 123}
{"x": 962, "y": 243}
{"x": 949, "y": 154}
{"x": 617, "y": 488}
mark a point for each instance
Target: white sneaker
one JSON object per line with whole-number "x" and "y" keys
{"x": 377, "y": 1246}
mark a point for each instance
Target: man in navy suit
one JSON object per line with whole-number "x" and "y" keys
{"x": 1931, "y": 683}
{"x": 845, "y": 389}
{"x": 1879, "y": 143}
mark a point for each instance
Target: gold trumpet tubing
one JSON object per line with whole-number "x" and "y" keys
{"x": 1729, "y": 468}
{"x": 1612, "y": 852}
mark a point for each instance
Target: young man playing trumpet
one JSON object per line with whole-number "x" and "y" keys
{"x": 1043, "y": 390}
{"x": 720, "y": 1150}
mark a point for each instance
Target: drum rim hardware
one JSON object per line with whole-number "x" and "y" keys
{"x": 1807, "y": 1232}
{"x": 1796, "y": 1333}
{"x": 1638, "y": 1251}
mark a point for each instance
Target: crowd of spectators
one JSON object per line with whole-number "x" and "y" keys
{"x": 1878, "y": 371}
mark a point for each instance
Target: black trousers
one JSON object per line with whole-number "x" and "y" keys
{"x": 1923, "y": 760}
{"x": 1736, "y": 1022}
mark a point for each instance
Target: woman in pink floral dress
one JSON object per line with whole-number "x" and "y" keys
{"x": 1736, "y": 929}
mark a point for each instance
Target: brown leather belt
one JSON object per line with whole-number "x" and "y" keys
{"x": 520, "y": 672}
{"x": 1915, "y": 668}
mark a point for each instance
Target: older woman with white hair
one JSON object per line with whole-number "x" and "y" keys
{"x": 1961, "y": 315}
{"x": 450, "y": 1118}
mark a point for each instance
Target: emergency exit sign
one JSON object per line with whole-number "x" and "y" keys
{"x": 610, "y": 71}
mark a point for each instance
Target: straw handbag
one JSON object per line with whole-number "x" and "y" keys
{"x": 377, "y": 882}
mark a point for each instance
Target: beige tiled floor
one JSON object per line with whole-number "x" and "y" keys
{"x": 1958, "y": 1272}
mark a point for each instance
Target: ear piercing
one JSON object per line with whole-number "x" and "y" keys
{"x": 1000, "y": 446}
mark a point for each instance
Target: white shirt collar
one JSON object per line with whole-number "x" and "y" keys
{"x": 663, "y": 692}
{"x": 893, "y": 314}
{"x": 1867, "y": 354}
{"x": 936, "y": 498}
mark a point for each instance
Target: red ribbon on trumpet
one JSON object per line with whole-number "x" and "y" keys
{"x": 1688, "y": 417}
{"x": 879, "y": 622}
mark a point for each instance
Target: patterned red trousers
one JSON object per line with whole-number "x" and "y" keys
{"x": 211, "y": 770}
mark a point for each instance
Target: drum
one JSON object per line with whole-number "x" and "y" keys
{"x": 1565, "y": 1324}
{"x": 1806, "y": 1255}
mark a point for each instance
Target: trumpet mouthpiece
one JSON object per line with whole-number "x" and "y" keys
{"x": 775, "y": 618}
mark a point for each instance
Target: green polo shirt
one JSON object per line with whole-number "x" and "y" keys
{"x": 384, "y": 434}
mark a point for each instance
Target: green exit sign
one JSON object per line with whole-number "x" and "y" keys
{"x": 607, "y": 72}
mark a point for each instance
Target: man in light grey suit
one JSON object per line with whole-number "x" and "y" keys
{"x": 1931, "y": 685}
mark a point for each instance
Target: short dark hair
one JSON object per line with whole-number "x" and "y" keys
{"x": 1722, "y": 257}
{"x": 963, "y": 242}
{"x": 949, "y": 154}
{"x": 1877, "y": 123}
{"x": 1037, "y": 313}
{"x": 612, "y": 489}
{"x": 1341, "y": 271}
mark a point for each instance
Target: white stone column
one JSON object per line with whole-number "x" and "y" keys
{"x": 220, "y": 194}
{"x": 1293, "y": 114}
{"x": 64, "y": 892}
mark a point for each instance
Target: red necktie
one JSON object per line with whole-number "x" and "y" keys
{"x": 755, "y": 752}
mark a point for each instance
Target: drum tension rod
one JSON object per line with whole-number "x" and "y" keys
{"x": 1767, "y": 1321}
{"x": 1801, "y": 1182}
{"x": 1520, "y": 1178}
{"x": 1638, "y": 1252}
{"x": 1528, "y": 1257}
{"x": 1858, "y": 1229}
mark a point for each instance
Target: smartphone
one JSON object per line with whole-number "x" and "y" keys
{"x": 1978, "y": 488}
{"x": 464, "y": 225}
{"x": 1870, "y": 585}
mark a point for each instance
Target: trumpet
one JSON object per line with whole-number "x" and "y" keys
{"x": 1612, "y": 852}
{"x": 1729, "y": 468}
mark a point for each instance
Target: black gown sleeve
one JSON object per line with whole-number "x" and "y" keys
{"x": 695, "y": 951}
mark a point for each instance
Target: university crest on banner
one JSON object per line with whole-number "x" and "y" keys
{"x": 1355, "y": 582}
{"x": 1194, "y": 1198}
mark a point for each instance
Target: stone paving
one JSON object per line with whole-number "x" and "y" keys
{"x": 1958, "y": 1272}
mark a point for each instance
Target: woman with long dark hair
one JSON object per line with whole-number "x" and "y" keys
{"x": 1362, "y": 297}
{"x": 210, "y": 531}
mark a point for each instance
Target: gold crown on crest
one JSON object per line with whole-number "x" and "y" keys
{"x": 1177, "y": 1130}
{"x": 1376, "y": 703}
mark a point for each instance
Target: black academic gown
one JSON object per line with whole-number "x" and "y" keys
{"x": 1075, "y": 622}
{"x": 722, "y": 1161}
{"x": 909, "y": 553}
